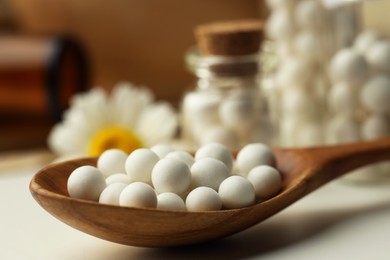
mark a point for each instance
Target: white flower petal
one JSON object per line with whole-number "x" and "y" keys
{"x": 157, "y": 123}
{"x": 127, "y": 101}
{"x": 64, "y": 139}
{"x": 92, "y": 106}
{"x": 79, "y": 119}
{"x": 127, "y": 106}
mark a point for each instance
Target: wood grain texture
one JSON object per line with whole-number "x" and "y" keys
{"x": 304, "y": 170}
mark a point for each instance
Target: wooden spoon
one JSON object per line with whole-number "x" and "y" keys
{"x": 304, "y": 170}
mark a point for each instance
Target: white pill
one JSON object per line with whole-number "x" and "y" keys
{"x": 343, "y": 129}
{"x": 365, "y": 40}
{"x": 110, "y": 195}
{"x": 343, "y": 98}
{"x": 307, "y": 45}
{"x": 375, "y": 127}
{"x": 203, "y": 199}
{"x": 162, "y": 150}
{"x": 310, "y": 15}
{"x": 217, "y": 151}
{"x": 183, "y": 156}
{"x": 349, "y": 66}
{"x": 208, "y": 172}
{"x": 375, "y": 94}
{"x": 253, "y": 155}
{"x": 170, "y": 201}
{"x": 299, "y": 103}
{"x": 201, "y": 108}
{"x": 378, "y": 56}
{"x": 86, "y": 182}
{"x": 266, "y": 181}
{"x": 280, "y": 26}
{"x": 139, "y": 165}
{"x": 200, "y": 113}
{"x": 237, "y": 111}
{"x": 112, "y": 161}
{"x": 294, "y": 71}
{"x": 118, "y": 178}
{"x": 236, "y": 192}
{"x": 220, "y": 134}
{"x": 138, "y": 194}
{"x": 171, "y": 175}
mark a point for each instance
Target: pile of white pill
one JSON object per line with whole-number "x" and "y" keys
{"x": 232, "y": 118}
{"x": 164, "y": 178}
{"x": 333, "y": 81}
{"x": 301, "y": 33}
{"x": 358, "y": 100}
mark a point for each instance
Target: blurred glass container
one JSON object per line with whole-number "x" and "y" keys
{"x": 39, "y": 75}
{"x": 37, "y": 78}
{"x": 227, "y": 104}
{"x": 333, "y": 78}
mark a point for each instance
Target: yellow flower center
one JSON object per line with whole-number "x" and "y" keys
{"x": 114, "y": 138}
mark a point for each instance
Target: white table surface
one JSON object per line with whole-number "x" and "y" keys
{"x": 339, "y": 221}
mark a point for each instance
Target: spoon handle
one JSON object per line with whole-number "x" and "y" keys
{"x": 330, "y": 162}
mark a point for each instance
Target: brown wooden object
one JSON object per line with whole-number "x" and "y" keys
{"x": 230, "y": 38}
{"x": 304, "y": 171}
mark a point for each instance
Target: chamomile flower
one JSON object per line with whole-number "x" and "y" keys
{"x": 126, "y": 119}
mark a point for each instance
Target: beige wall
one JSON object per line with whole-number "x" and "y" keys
{"x": 142, "y": 41}
{"x": 376, "y": 15}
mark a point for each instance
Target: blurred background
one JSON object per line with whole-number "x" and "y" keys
{"x": 50, "y": 50}
{"x": 93, "y": 43}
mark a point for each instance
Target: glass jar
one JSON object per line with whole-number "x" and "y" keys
{"x": 227, "y": 104}
{"x": 359, "y": 94}
{"x": 333, "y": 76}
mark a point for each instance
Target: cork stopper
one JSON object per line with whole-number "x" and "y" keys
{"x": 230, "y": 38}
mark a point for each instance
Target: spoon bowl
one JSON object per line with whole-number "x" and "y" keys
{"x": 303, "y": 170}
